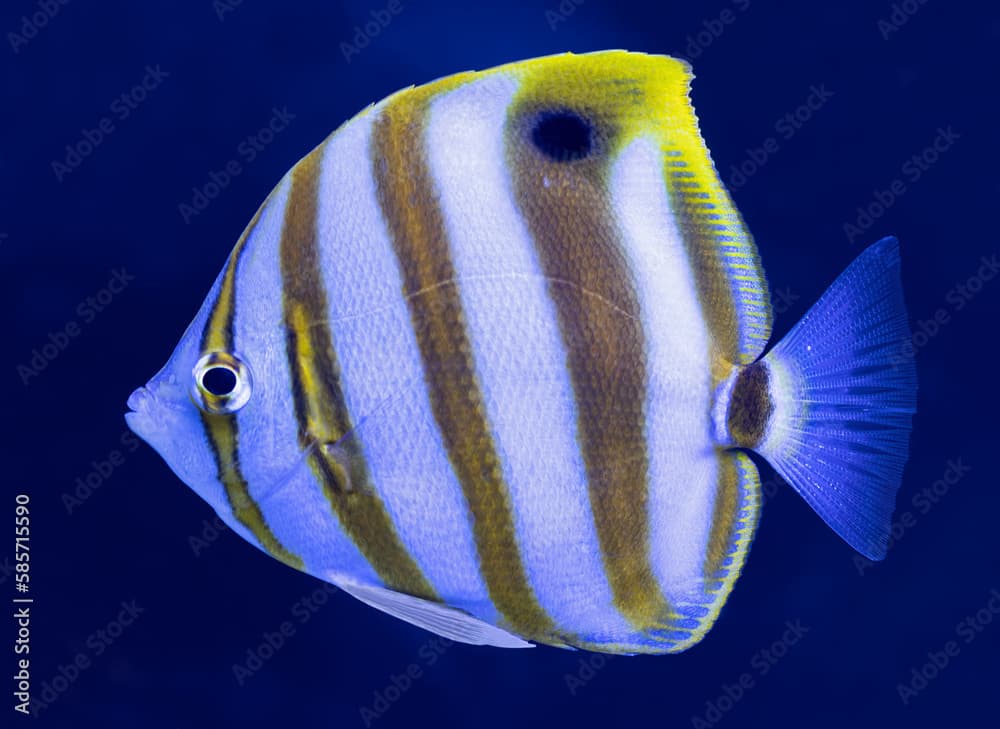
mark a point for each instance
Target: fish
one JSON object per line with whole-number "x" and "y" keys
{"x": 493, "y": 356}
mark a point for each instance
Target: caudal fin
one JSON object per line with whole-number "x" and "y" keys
{"x": 843, "y": 398}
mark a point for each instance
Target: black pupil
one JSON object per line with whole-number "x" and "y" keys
{"x": 219, "y": 380}
{"x": 562, "y": 135}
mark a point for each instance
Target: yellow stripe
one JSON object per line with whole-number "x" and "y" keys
{"x": 221, "y": 430}
{"x": 325, "y": 427}
{"x": 218, "y": 333}
{"x": 409, "y": 205}
{"x": 223, "y": 436}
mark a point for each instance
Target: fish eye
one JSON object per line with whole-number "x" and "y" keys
{"x": 562, "y": 135}
{"x": 219, "y": 380}
{"x": 222, "y": 383}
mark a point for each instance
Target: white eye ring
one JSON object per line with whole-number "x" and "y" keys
{"x": 222, "y": 383}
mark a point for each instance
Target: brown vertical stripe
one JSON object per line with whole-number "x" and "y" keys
{"x": 406, "y": 195}
{"x": 221, "y": 430}
{"x": 324, "y": 423}
{"x": 568, "y": 212}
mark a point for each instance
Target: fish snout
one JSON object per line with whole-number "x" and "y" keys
{"x": 138, "y": 401}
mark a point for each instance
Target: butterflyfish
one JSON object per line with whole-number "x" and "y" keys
{"x": 491, "y": 359}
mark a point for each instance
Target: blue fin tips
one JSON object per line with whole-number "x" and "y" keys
{"x": 843, "y": 389}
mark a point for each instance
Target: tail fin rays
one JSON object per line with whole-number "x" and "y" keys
{"x": 844, "y": 399}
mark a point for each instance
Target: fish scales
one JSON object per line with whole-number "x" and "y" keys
{"x": 488, "y": 357}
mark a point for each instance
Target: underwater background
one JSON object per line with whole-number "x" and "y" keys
{"x": 833, "y": 124}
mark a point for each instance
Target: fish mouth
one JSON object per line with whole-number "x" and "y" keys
{"x": 156, "y": 398}
{"x": 145, "y": 413}
{"x": 137, "y": 418}
{"x": 138, "y": 401}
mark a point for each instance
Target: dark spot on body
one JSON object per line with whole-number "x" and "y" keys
{"x": 563, "y": 135}
{"x": 750, "y": 406}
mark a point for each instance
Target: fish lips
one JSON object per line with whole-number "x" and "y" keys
{"x": 153, "y": 410}
{"x": 140, "y": 418}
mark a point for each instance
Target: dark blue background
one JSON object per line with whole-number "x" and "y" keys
{"x": 119, "y": 209}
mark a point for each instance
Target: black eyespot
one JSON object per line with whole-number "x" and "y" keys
{"x": 563, "y": 135}
{"x": 219, "y": 381}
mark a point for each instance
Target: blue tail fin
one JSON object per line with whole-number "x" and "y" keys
{"x": 843, "y": 399}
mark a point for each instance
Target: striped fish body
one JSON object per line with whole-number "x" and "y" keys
{"x": 486, "y": 359}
